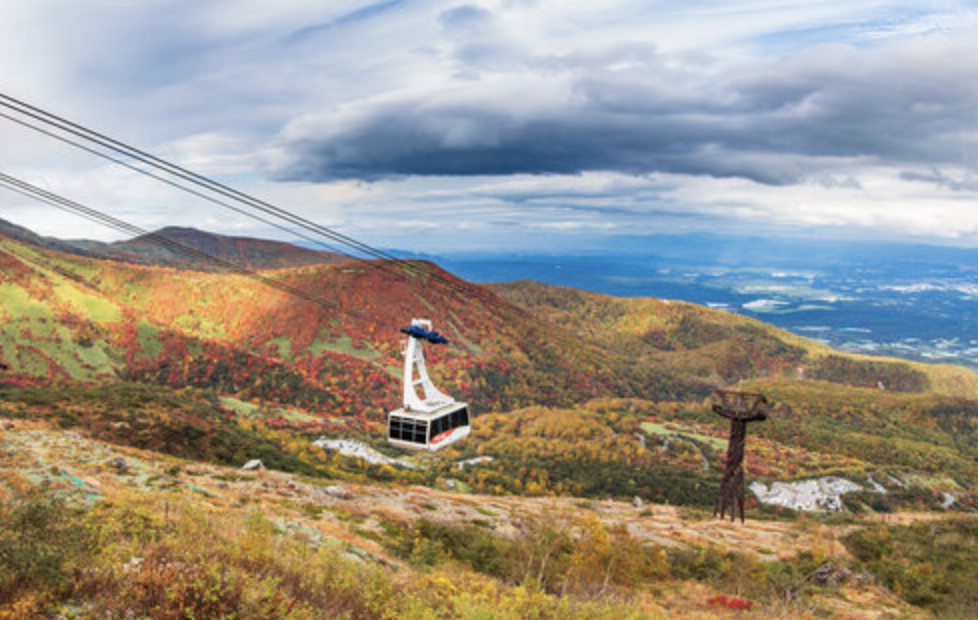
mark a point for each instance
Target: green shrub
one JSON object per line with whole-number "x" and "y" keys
{"x": 931, "y": 564}
{"x": 42, "y": 545}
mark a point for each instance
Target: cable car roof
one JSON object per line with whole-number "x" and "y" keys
{"x": 416, "y": 331}
{"x": 428, "y": 415}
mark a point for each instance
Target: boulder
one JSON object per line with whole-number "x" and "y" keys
{"x": 337, "y": 492}
{"x": 253, "y": 465}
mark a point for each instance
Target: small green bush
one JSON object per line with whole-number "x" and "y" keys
{"x": 931, "y": 564}
{"x": 42, "y": 546}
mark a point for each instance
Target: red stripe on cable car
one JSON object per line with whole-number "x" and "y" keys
{"x": 440, "y": 437}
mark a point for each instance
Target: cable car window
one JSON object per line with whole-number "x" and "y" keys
{"x": 420, "y": 432}
{"x": 460, "y": 418}
{"x": 405, "y": 429}
{"x": 397, "y": 427}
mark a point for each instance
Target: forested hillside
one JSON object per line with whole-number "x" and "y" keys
{"x": 74, "y": 318}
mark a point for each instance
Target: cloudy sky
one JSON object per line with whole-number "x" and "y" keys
{"x": 543, "y": 124}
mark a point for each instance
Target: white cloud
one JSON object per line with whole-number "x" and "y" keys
{"x": 829, "y": 114}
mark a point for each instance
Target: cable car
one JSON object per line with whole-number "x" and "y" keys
{"x": 433, "y": 420}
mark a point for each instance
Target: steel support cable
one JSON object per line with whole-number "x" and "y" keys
{"x": 219, "y": 188}
{"x": 92, "y": 135}
{"x": 376, "y": 265}
{"x": 460, "y": 287}
{"x": 162, "y": 241}
{"x": 26, "y": 189}
{"x": 81, "y": 133}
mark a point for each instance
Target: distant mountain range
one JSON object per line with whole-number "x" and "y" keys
{"x": 242, "y": 251}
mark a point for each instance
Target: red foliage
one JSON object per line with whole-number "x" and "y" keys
{"x": 734, "y": 603}
{"x": 22, "y": 381}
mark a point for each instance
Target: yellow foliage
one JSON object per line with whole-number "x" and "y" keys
{"x": 591, "y": 558}
{"x": 24, "y": 605}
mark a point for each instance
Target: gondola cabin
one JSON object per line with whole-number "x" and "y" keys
{"x": 428, "y": 430}
{"x": 432, "y": 420}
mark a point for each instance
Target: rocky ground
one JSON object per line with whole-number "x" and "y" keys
{"x": 87, "y": 471}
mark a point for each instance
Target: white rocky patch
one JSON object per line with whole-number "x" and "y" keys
{"x": 897, "y": 481}
{"x": 877, "y": 487}
{"x": 476, "y": 461}
{"x": 807, "y": 495}
{"x": 253, "y": 465}
{"x": 348, "y": 447}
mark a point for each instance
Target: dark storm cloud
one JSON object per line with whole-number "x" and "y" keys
{"x": 968, "y": 183}
{"x": 910, "y": 103}
{"x": 630, "y": 110}
{"x": 470, "y": 141}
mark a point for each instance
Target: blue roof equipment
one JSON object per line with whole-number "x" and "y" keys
{"x": 416, "y": 331}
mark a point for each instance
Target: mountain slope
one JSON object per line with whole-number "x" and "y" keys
{"x": 19, "y": 233}
{"x": 93, "y": 320}
{"x": 120, "y": 530}
{"x": 297, "y": 365}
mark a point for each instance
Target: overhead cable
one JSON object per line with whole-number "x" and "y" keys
{"x": 117, "y": 146}
{"x": 55, "y": 200}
